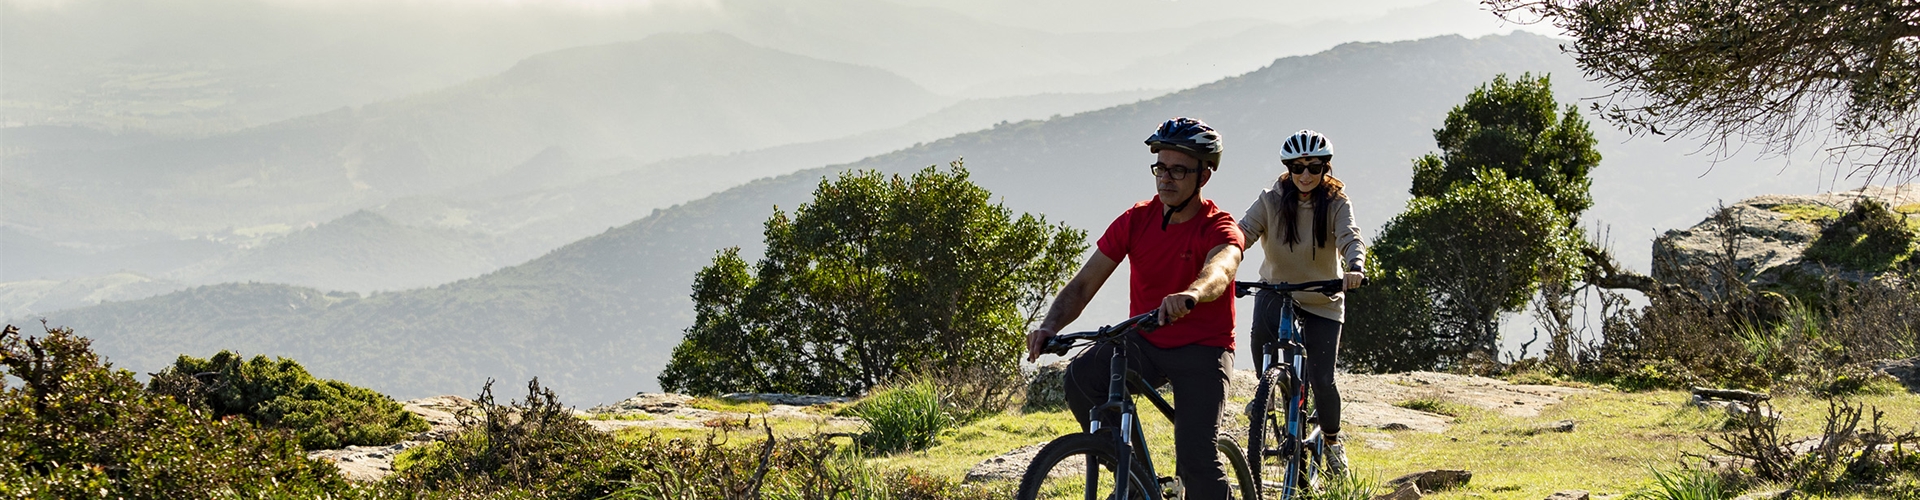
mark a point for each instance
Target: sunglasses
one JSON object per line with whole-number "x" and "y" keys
{"x": 1315, "y": 167}
{"x": 1174, "y": 172}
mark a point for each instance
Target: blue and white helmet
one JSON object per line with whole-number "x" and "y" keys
{"x": 1306, "y": 143}
{"x": 1189, "y": 136}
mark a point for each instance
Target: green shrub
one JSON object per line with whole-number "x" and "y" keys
{"x": 1684, "y": 484}
{"x": 529, "y": 445}
{"x": 904, "y": 417}
{"x": 77, "y": 428}
{"x": 1871, "y": 238}
{"x": 279, "y": 393}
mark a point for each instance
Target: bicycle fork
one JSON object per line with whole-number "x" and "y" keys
{"x": 1119, "y": 400}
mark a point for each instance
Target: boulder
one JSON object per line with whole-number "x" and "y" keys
{"x": 646, "y": 402}
{"x": 1773, "y": 231}
{"x": 1434, "y": 480}
{"x": 772, "y": 398}
{"x": 1569, "y": 495}
{"x": 1406, "y": 491}
{"x": 1907, "y": 371}
{"x": 1045, "y": 390}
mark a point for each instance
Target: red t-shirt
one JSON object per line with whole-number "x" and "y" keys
{"x": 1165, "y": 262}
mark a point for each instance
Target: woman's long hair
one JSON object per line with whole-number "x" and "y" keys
{"x": 1323, "y": 195}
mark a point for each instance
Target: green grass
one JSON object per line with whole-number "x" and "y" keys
{"x": 638, "y": 417}
{"x": 1437, "y": 406}
{"x": 721, "y": 405}
{"x": 1810, "y": 213}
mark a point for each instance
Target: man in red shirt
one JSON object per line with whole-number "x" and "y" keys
{"x": 1183, "y": 250}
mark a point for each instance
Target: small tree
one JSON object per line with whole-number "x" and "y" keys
{"x": 876, "y": 277}
{"x": 1463, "y": 259}
{"x": 1512, "y": 126}
{"x": 1493, "y": 217}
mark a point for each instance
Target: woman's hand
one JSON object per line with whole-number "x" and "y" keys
{"x": 1354, "y": 279}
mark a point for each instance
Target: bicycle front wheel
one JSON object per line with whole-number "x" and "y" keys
{"x": 1264, "y": 431}
{"x": 1081, "y": 466}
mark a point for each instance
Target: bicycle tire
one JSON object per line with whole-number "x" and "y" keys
{"x": 1297, "y": 454}
{"x": 1238, "y": 462}
{"x": 1260, "y": 423}
{"x": 1041, "y": 475}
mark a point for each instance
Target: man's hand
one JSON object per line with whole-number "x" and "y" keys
{"x": 1354, "y": 279}
{"x": 1037, "y": 340}
{"x": 1177, "y": 305}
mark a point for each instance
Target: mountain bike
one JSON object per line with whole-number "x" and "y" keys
{"x": 1280, "y": 425}
{"x": 1072, "y": 466}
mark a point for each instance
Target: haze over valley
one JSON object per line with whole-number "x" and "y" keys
{"x": 422, "y": 199}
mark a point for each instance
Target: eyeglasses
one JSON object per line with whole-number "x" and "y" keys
{"x": 1315, "y": 167}
{"x": 1174, "y": 172}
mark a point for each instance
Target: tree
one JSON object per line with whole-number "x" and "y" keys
{"x": 1492, "y": 222}
{"x": 1777, "y": 73}
{"x": 1451, "y": 265}
{"x": 1512, "y": 126}
{"x": 876, "y": 277}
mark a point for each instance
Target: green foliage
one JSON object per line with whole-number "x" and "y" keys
{"x": 532, "y": 444}
{"x": 1684, "y": 484}
{"x": 1780, "y": 73}
{"x": 1871, "y": 237}
{"x": 1492, "y": 219}
{"x": 1512, "y": 126}
{"x": 1451, "y": 264}
{"x": 77, "y": 428}
{"x": 280, "y": 393}
{"x": 906, "y": 417}
{"x": 876, "y": 277}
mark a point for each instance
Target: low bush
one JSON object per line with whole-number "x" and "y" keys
{"x": 279, "y": 393}
{"x": 904, "y": 417}
{"x": 1684, "y": 484}
{"x": 1845, "y": 458}
{"x": 533, "y": 445}
{"x": 75, "y": 427}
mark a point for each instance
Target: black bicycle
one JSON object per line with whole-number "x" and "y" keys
{"x": 1071, "y": 466}
{"x": 1282, "y": 431}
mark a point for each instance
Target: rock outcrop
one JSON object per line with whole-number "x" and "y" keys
{"x": 1771, "y": 234}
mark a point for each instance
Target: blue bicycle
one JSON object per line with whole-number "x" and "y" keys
{"x": 1282, "y": 431}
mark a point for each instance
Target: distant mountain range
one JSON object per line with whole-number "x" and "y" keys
{"x": 662, "y": 97}
{"x": 597, "y": 318}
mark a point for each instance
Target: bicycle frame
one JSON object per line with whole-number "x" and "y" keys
{"x": 1287, "y": 349}
{"x": 1119, "y": 409}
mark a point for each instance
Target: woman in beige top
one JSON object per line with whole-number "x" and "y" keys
{"x": 1304, "y": 225}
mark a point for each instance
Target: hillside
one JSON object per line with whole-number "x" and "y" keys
{"x": 661, "y": 97}
{"x": 600, "y": 316}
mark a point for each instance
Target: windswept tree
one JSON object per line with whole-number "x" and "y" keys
{"x": 878, "y": 276}
{"x": 1777, "y": 73}
{"x": 1493, "y": 220}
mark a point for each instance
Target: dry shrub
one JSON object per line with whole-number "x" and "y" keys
{"x": 1844, "y": 458}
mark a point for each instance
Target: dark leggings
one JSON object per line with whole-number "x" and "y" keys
{"x": 1322, "y": 337}
{"x": 1199, "y": 377}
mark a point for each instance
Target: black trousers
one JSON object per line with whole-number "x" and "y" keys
{"x": 1322, "y": 337}
{"x": 1199, "y": 377}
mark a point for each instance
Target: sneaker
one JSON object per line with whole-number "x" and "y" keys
{"x": 1336, "y": 459}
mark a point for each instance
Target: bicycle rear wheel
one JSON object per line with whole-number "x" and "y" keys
{"x": 1081, "y": 466}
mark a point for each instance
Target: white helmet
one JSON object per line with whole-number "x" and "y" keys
{"x": 1306, "y": 143}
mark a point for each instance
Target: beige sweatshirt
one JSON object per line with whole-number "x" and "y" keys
{"x": 1301, "y": 262}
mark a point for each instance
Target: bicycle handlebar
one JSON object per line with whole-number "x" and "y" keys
{"x": 1145, "y": 322}
{"x": 1327, "y": 287}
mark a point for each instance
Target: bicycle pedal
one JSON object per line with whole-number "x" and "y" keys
{"x": 1171, "y": 489}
